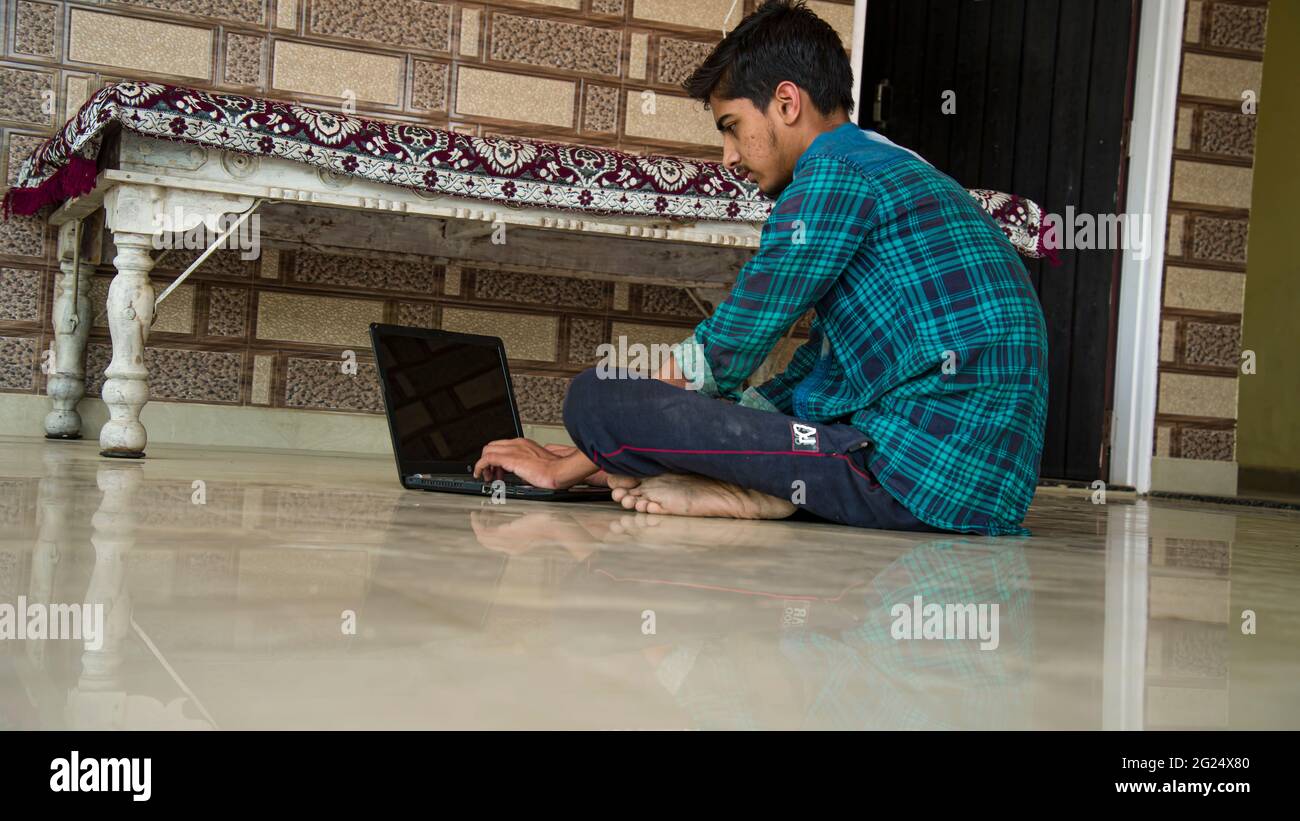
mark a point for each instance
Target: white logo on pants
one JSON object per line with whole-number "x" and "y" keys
{"x": 803, "y": 437}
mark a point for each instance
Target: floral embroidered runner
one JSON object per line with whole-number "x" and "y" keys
{"x": 516, "y": 172}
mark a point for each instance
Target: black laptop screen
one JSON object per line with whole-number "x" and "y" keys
{"x": 447, "y": 397}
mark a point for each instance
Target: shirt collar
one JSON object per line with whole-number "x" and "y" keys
{"x": 820, "y": 141}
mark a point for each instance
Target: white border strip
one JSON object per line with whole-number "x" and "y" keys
{"x": 855, "y": 57}
{"x": 1137, "y": 353}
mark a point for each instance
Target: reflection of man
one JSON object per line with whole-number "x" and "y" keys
{"x": 730, "y": 661}
{"x": 919, "y": 400}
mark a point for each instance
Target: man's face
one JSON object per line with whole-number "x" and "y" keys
{"x": 751, "y": 143}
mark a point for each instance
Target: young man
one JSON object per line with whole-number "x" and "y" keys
{"x": 919, "y": 400}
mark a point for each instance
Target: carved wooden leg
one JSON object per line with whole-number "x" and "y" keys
{"x": 71, "y": 315}
{"x": 130, "y": 313}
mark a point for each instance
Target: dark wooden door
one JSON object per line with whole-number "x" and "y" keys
{"x": 1029, "y": 97}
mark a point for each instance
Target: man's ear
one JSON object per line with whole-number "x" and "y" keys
{"x": 788, "y": 98}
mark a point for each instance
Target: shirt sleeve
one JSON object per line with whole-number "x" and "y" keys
{"x": 816, "y": 227}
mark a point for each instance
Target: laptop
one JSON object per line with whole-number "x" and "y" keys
{"x": 446, "y": 396}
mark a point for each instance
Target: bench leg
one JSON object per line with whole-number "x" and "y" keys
{"x": 66, "y": 384}
{"x": 130, "y": 313}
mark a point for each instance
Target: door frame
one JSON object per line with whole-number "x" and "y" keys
{"x": 1151, "y": 149}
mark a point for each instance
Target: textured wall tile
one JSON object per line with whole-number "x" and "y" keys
{"x": 1164, "y": 436}
{"x": 600, "y": 111}
{"x": 1208, "y": 343}
{"x": 1224, "y": 78}
{"x": 18, "y": 363}
{"x": 36, "y": 30}
{"x": 20, "y": 295}
{"x": 451, "y": 280}
{"x": 1192, "y": 23}
{"x": 1168, "y": 340}
{"x": 321, "y": 320}
{"x": 268, "y": 264}
{"x": 540, "y": 398}
{"x": 77, "y": 90}
{"x": 539, "y": 289}
{"x": 637, "y": 55}
{"x": 224, "y": 263}
{"x": 621, "y": 297}
{"x": 663, "y": 299}
{"x": 244, "y": 59}
{"x": 130, "y": 42}
{"x": 708, "y": 14}
{"x": 1177, "y": 230}
{"x": 504, "y": 96}
{"x": 554, "y": 44}
{"x": 1203, "y": 443}
{"x": 678, "y": 119}
{"x": 260, "y": 390}
{"x": 23, "y": 236}
{"x": 470, "y": 28}
{"x": 585, "y": 335}
{"x": 175, "y": 315}
{"x": 1204, "y": 290}
{"x": 411, "y": 23}
{"x": 321, "y": 383}
{"x": 417, "y": 314}
{"x": 1240, "y": 27}
{"x": 1183, "y": 394}
{"x": 1220, "y": 240}
{"x": 24, "y": 95}
{"x": 1207, "y": 184}
{"x": 525, "y": 336}
{"x": 227, "y": 312}
{"x": 839, "y": 15}
{"x": 1226, "y": 133}
{"x": 678, "y": 58}
{"x": 286, "y": 14}
{"x": 21, "y": 147}
{"x": 333, "y": 72}
{"x": 245, "y": 11}
{"x": 647, "y": 334}
{"x": 365, "y": 273}
{"x": 1183, "y": 130}
{"x": 613, "y": 8}
{"x": 174, "y": 373}
{"x": 429, "y": 86}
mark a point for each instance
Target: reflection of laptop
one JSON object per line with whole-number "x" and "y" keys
{"x": 447, "y": 395}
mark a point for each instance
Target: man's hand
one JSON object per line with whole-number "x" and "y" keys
{"x": 537, "y": 465}
{"x": 671, "y": 373}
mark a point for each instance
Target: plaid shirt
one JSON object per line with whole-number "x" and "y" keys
{"x": 928, "y": 335}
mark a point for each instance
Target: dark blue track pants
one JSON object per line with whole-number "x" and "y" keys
{"x": 645, "y": 427}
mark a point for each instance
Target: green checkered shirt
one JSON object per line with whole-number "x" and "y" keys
{"x": 928, "y": 335}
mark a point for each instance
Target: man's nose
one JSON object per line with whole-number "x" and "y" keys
{"x": 730, "y": 156}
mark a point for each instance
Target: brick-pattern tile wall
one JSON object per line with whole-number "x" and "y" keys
{"x": 274, "y": 331}
{"x": 1209, "y": 221}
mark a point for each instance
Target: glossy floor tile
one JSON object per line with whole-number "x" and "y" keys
{"x": 245, "y": 589}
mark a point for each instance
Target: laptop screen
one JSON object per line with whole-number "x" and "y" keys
{"x": 447, "y": 398}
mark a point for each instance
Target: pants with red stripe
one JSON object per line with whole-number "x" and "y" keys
{"x": 645, "y": 427}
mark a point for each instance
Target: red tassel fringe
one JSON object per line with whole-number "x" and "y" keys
{"x": 72, "y": 180}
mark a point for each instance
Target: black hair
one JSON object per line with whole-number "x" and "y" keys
{"x": 781, "y": 40}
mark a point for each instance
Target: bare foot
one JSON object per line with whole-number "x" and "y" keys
{"x": 682, "y": 495}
